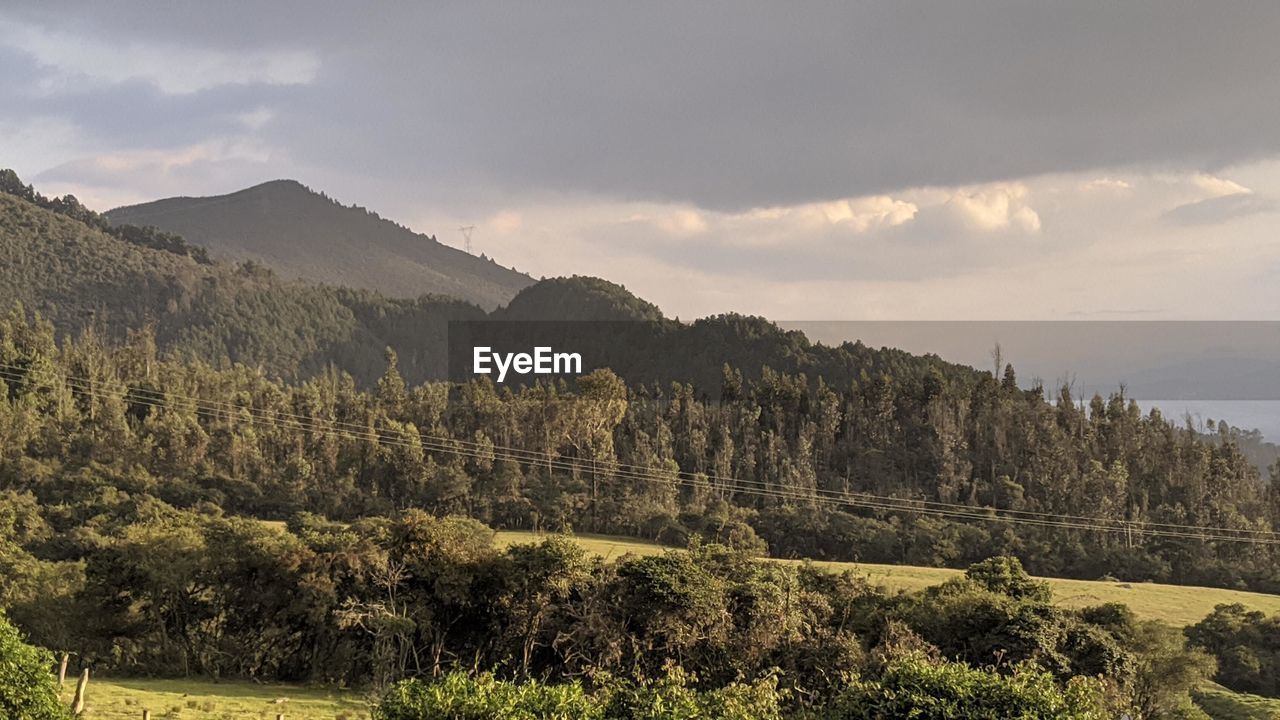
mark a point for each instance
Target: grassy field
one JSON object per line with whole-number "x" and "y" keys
{"x": 191, "y": 699}
{"x": 1175, "y": 604}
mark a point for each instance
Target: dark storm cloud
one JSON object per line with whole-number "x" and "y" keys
{"x": 732, "y": 105}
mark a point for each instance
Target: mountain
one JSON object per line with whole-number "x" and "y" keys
{"x": 82, "y": 278}
{"x": 82, "y": 273}
{"x": 302, "y": 234}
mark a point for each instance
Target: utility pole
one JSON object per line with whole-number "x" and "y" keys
{"x": 466, "y": 231}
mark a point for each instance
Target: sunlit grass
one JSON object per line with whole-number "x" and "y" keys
{"x": 199, "y": 699}
{"x": 1223, "y": 704}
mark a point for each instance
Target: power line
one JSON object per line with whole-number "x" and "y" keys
{"x": 224, "y": 411}
{"x": 745, "y": 487}
{"x": 739, "y": 485}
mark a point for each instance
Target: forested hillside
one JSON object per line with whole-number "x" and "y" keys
{"x": 60, "y": 264}
{"x": 903, "y": 465}
{"x": 302, "y": 234}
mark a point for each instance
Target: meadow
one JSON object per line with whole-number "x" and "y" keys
{"x": 199, "y": 699}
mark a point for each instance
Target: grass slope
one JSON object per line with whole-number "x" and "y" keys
{"x": 193, "y": 699}
{"x": 1174, "y": 604}
{"x": 1223, "y": 704}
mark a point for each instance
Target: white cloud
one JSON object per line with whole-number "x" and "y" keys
{"x": 1107, "y": 184}
{"x": 1040, "y": 248}
{"x": 1002, "y": 206}
{"x": 682, "y": 222}
{"x": 1214, "y": 186}
{"x": 863, "y": 214}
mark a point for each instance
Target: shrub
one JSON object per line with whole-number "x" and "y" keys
{"x": 459, "y": 696}
{"x": 916, "y": 687}
{"x": 672, "y": 699}
{"x": 27, "y": 688}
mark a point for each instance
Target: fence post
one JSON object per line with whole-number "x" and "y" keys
{"x": 77, "y": 705}
{"x": 62, "y": 671}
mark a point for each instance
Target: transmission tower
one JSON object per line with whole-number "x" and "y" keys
{"x": 466, "y": 231}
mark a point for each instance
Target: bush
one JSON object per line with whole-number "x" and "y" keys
{"x": 461, "y": 697}
{"x": 1005, "y": 575}
{"x": 672, "y": 699}
{"x": 27, "y": 688}
{"x": 919, "y": 688}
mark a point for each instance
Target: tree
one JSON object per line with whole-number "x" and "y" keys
{"x": 1166, "y": 671}
{"x": 1005, "y": 575}
{"x": 1246, "y": 644}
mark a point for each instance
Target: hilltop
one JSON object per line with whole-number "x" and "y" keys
{"x": 303, "y": 234}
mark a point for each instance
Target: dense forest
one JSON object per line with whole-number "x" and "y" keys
{"x": 898, "y": 467}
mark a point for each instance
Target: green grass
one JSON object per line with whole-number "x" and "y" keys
{"x": 1223, "y": 704}
{"x": 1177, "y": 605}
{"x": 198, "y": 699}
{"x": 194, "y": 699}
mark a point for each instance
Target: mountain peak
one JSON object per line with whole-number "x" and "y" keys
{"x": 282, "y": 184}
{"x": 305, "y": 234}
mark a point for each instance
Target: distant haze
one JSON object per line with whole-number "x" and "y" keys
{"x": 1167, "y": 360}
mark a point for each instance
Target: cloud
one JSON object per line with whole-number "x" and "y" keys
{"x": 853, "y": 159}
{"x": 718, "y": 106}
{"x": 77, "y": 61}
{"x": 937, "y": 233}
{"x": 1106, "y": 184}
{"x": 996, "y": 207}
{"x": 682, "y": 222}
{"x": 110, "y": 180}
{"x": 1221, "y": 209}
{"x": 863, "y": 214}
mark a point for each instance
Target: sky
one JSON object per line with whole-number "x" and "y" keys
{"x": 895, "y": 160}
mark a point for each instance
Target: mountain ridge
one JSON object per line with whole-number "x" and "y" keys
{"x": 304, "y": 234}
